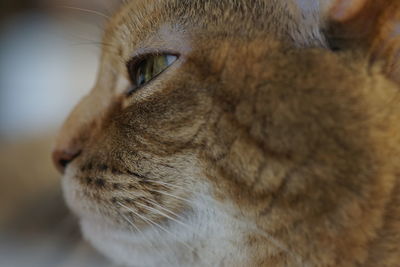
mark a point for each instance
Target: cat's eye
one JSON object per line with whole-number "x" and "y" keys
{"x": 147, "y": 68}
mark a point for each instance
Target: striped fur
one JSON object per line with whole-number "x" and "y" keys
{"x": 256, "y": 148}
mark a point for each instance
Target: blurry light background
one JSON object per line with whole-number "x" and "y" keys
{"x": 48, "y": 61}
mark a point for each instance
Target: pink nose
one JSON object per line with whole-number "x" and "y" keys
{"x": 63, "y": 157}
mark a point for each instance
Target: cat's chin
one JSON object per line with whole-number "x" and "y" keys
{"x": 127, "y": 247}
{"x": 202, "y": 236}
{"x": 207, "y": 237}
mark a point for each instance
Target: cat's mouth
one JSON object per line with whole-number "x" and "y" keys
{"x": 84, "y": 204}
{"x": 124, "y": 206}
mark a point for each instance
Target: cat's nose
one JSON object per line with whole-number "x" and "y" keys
{"x": 63, "y": 157}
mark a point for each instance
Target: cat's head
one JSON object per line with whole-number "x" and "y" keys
{"x": 214, "y": 137}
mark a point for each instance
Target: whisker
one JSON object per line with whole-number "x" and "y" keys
{"x": 90, "y": 40}
{"x": 140, "y": 216}
{"x": 154, "y": 224}
{"x": 191, "y": 191}
{"x": 173, "y": 196}
{"x": 168, "y": 184}
{"x": 275, "y": 242}
{"x": 176, "y": 187}
{"x": 130, "y": 222}
{"x": 139, "y": 231}
{"x": 162, "y": 228}
{"x": 163, "y": 214}
{"x": 98, "y": 13}
{"x": 158, "y": 205}
{"x": 80, "y": 41}
{"x": 97, "y": 44}
{"x": 165, "y": 209}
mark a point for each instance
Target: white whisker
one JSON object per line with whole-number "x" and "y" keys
{"x": 158, "y": 205}
{"x": 165, "y": 209}
{"x": 139, "y": 231}
{"x": 98, "y": 13}
{"x": 168, "y": 184}
{"x": 162, "y": 228}
{"x": 173, "y": 196}
{"x": 92, "y": 43}
{"x": 154, "y": 223}
{"x": 163, "y": 214}
{"x": 130, "y": 222}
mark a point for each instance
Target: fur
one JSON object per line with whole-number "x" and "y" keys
{"x": 262, "y": 146}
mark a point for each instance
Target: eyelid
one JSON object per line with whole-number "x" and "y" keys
{"x": 172, "y": 57}
{"x": 137, "y": 58}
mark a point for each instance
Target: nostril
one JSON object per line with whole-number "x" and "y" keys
{"x": 62, "y": 158}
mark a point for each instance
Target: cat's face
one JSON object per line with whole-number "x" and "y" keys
{"x": 237, "y": 149}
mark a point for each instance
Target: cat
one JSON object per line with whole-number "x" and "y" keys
{"x": 229, "y": 133}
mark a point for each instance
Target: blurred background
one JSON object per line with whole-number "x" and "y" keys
{"x": 48, "y": 60}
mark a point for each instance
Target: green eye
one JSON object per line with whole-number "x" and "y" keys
{"x": 143, "y": 71}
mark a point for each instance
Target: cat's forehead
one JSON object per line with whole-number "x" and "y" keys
{"x": 163, "y": 24}
{"x": 145, "y": 26}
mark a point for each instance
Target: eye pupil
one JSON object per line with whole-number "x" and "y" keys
{"x": 148, "y": 68}
{"x": 141, "y": 79}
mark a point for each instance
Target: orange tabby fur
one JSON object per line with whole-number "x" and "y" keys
{"x": 273, "y": 155}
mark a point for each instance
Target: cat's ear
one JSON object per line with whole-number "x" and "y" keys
{"x": 373, "y": 25}
{"x": 344, "y": 10}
